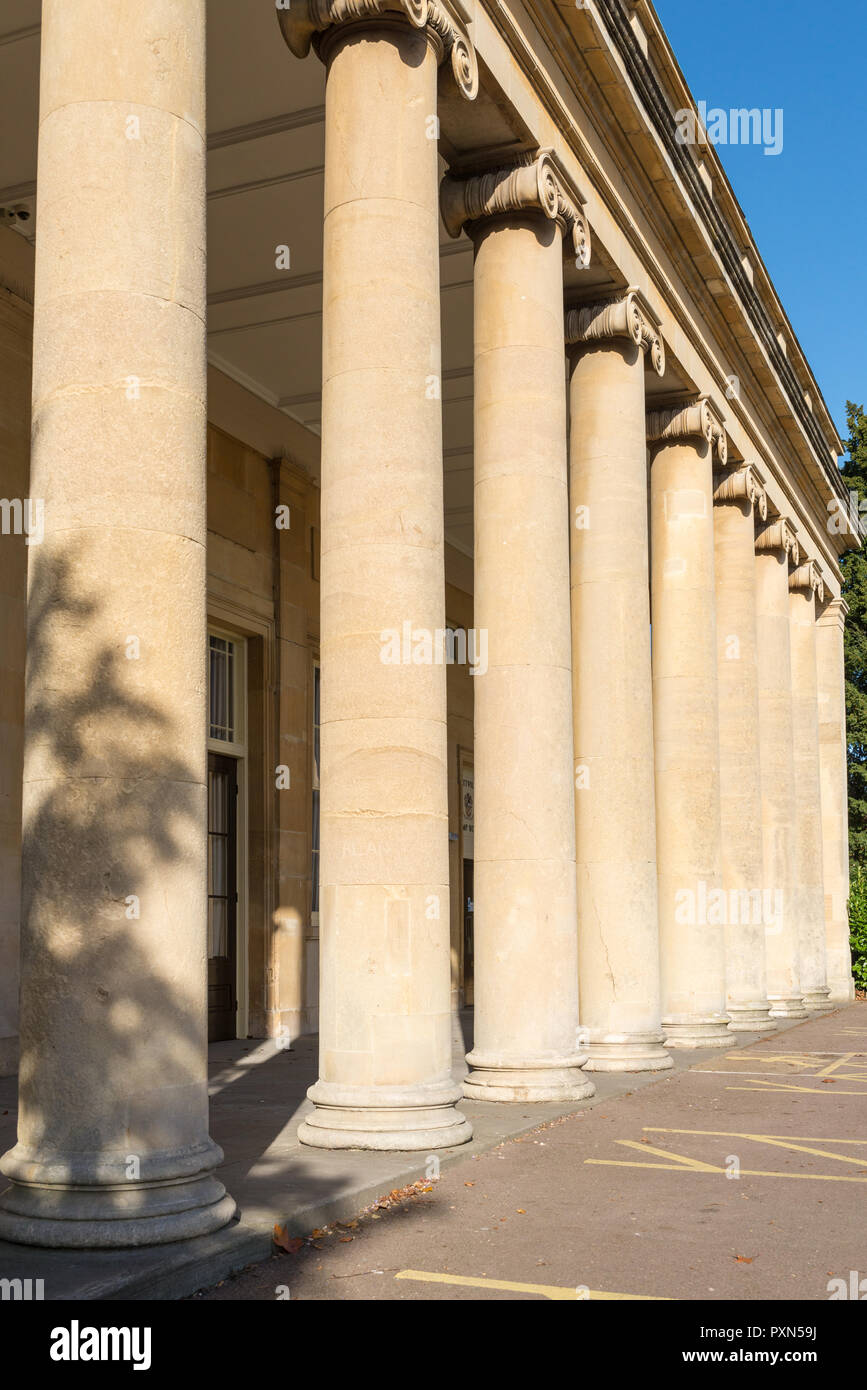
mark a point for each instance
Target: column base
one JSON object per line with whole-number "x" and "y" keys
{"x": 817, "y": 1001}
{"x": 840, "y": 996}
{"x": 390, "y": 1118}
{"x": 787, "y": 1007}
{"x": 627, "y": 1052}
{"x": 559, "y": 1080}
{"x": 86, "y": 1201}
{"x": 105, "y": 1218}
{"x": 750, "y": 1018}
{"x": 698, "y": 1032}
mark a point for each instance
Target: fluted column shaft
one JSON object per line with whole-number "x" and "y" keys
{"x": 113, "y": 1145}
{"x": 776, "y": 735}
{"x": 385, "y": 1043}
{"x": 686, "y": 731}
{"x": 749, "y": 909}
{"x": 615, "y": 818}
{"x": 835, "y": 805}
{"x": 809, "y": 894}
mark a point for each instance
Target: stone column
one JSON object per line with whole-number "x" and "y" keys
{"x": 830, "y": 670}
{"x": 739, "y": 498}
{"x": 16, "y": 339}
{"x": 385, "y": 1043}
{"x": 775, "y": 544}
{"x": 805, "y": 584}
{"x": 526, "y": 949}
{"x": 113, "y": 1146}
{"x": 686, "y": 725}
{"x": 615, "y": 818}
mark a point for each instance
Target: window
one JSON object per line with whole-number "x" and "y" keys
{"x": 221, "y": 718}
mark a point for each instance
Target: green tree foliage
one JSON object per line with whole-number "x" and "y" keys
{"x": 858, "y": 924}
{"x": 854, "y": 565}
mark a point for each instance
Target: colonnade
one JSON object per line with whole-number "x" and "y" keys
{"x": 659, "y": 737}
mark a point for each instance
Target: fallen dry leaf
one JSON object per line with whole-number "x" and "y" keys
{"x": 283, "y": 1242}
{"x": 520, "y": 1211}
{"x": 344, "y": 1240}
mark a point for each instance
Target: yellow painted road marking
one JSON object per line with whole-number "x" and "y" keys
{"x": 780, "y": 1087}
{"x": 682, "y": 1163}
{"x": 696, "y": 1163}
{"x": 552, "y": 1291}
{"x": 738, "y": 1134}
{"x": 841, "y": 1062}
{"x": 744, "y": 1172}
{"x": 859, "y": 1075}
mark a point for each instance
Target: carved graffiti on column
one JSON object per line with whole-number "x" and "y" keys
{"x": 532, "y": 183}
{"x": 305, "y": 20}
{"x": 628, "y": 316}
{"x": 699, "y": 419}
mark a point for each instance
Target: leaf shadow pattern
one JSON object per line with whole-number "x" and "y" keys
{"x": 113, "y": 1080}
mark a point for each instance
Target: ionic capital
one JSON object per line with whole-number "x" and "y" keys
{"x": 305, "y": 20}
{"x": 742, "y": 485}
{"x": 700, "y": 419}
{"x": 779, "y": 535}
{"x": 834, "y": 614}
{"x": 532, "y": 184}
{"x": 808, "y": 578}
{"x": 629, "y": 316}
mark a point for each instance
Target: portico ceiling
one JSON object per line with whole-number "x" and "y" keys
{"x": 266, "y": 139}
{"x": 265, "y": 191}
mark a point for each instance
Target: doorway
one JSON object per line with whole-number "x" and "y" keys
{"x": 222, "y": 897}
{"x": 465, "y": 769}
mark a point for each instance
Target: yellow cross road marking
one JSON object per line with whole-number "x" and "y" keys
{"x": 855, "y": 1071}
{"x": 695, "y": 1163}
{"x": 797, "y": 1143}
{"x": 779, "y": 1087}
{"x": 786, "y": 1139}
{"x": 553, "y": 1291}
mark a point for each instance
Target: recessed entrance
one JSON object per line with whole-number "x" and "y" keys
{"x": 222, "y": 896}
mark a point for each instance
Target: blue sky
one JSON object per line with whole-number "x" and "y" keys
{"x": 807, "y": 206}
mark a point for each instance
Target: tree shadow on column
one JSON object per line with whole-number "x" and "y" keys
{"x": 112, "y": 1003}
{"x": 113, "y": 1057}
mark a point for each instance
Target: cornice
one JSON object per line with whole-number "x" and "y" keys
{"x": 742, "y": 484}
{"x": 834, "y": 614}
{"x": 306, "y": 20}
{"x": 640, "y": 71}
{"x": 627, "y": 316}
{"x": 698, "y": 419}
{"x": 779, "y": 536}
{"x": 533, "y": 182}
{"x": 763, "y": 410}
{"x": 807, "y": 578}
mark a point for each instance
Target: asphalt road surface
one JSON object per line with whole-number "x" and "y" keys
{"x": 742, "y": 1178}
